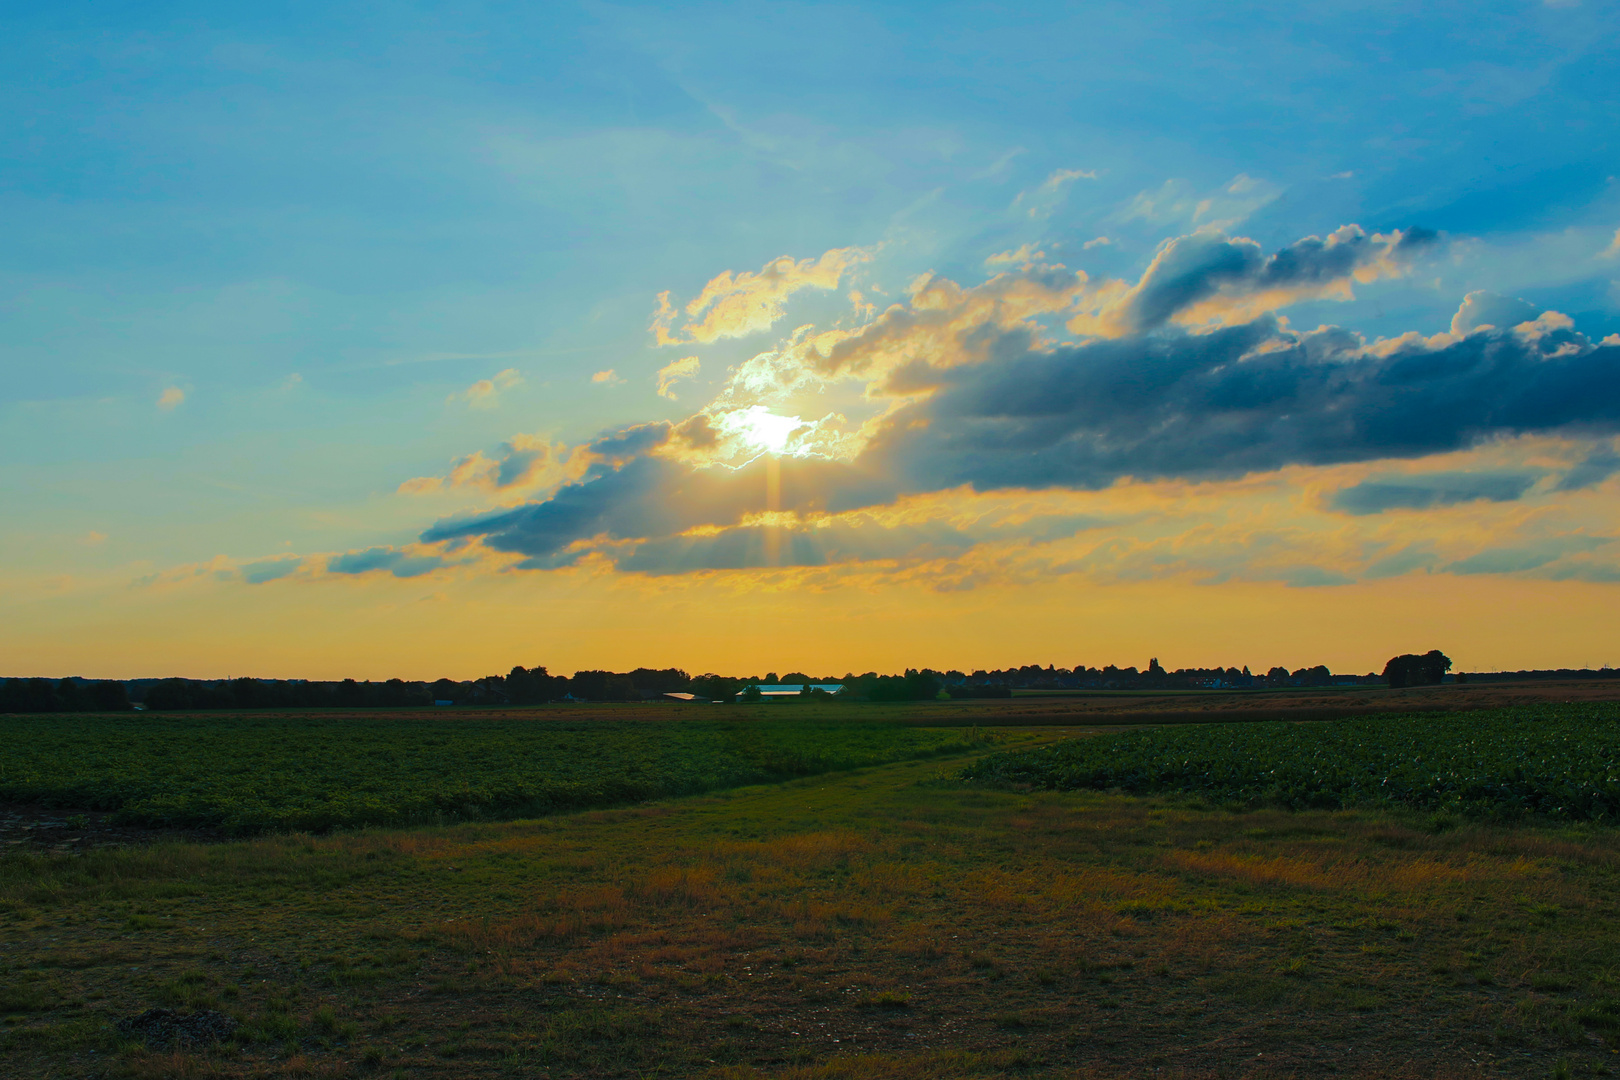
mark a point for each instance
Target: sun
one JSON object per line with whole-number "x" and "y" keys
{"x": 762, "y": 429}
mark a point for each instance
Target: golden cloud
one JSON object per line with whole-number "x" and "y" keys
{"x": 735, "y": 305}
{"x": 673, "y": 372}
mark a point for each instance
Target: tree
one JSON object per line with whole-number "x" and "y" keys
{"x": 109, "y": 697}
{"x": 1316, "y": 676}
{"x": 715, "y": 687}
{"x": 1410, "y": 669}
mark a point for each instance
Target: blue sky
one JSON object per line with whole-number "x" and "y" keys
{"x": 257, "y": 263}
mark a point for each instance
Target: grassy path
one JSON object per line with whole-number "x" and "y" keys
{"x": 881, "y": 923}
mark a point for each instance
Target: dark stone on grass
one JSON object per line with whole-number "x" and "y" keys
{"x": 164, "y": 1029}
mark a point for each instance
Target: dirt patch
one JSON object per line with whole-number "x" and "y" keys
{"x": 33, "y": 827}
{"x": 167, "y": 1029}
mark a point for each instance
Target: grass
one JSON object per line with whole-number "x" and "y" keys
{"x": 245, "y": 774}
{"x": 1548, "y": 761}
{"x": 875, "y": 924}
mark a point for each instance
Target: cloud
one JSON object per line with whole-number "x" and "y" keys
{"x": 1481, "y": 308}
{"x": 737, "y": 305}
{"x": 523, "y": 461}
{"x": 170, "y": 398}
{"x": 94, "y": 538}
{"x": 1432, "y": 490}
{"x": 1403, "y": 561}
{"x": 1039, "y": 202}
{"x": 1024, "y": 255}
{"x": 1212, "y": 279}
{"x": 1613, "y": 250}
{"x": 609, "y": 376}
{"x": 272, "y": 569}
{"x": 396, "y": 561}
{"x": 485, "y": 393}
{"x": 646, "y": 496}
{"x": 968, "y": 392}
{"x": 673, "y": 372}
{"x": 1597, "y": 467}
{"x": 998, "y": 168}
{"x": 1176, "y": 202}
{"x": 1241, "y": 399}
{"x": 1511, "y": 560}
{"x": 767, "y": 546}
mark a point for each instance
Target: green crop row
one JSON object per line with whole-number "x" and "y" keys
{"x": 1559, "y": 761}
{"x": 246, "y": 774}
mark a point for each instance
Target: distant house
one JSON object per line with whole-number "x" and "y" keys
{"x": 690, "y": 699}
{"x": 786, "y": 691}
{"x": 442, "y": 701}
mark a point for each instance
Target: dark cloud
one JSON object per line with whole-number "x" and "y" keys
{"x": 657, "y": 497}
{"x": 1434, "y": 489}
{"x": 517, "y": 464}
{"x": 633, "y": 441}
{"x": 401, "y": 564}
{"x": 1192, "y": 269}
{"x": 1243, "y": 399}
{"x": 1598, "y": 467}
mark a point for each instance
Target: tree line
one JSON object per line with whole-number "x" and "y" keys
{"x": 536, "y": 685}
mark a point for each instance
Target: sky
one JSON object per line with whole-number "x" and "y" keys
{"x": 423, "y": 340}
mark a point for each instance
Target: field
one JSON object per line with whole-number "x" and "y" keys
{"x": 1550, "y": 761}
{"x": 888, "y": 921}
{"x": 251, "y": 773}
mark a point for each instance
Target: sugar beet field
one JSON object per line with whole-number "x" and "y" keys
{"x": 246, "y": 774}
{"x": 243, "y": 774}
{"x": 1556, "y": 762}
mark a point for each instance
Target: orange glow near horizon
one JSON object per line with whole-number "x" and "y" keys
{"x": 739, "y": 624}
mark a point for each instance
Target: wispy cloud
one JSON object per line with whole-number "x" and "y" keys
{"x": 262, "y": 571}
{"x": 486, "y": 393}
{"x": 607, "y": 377}
{"x": 1424, "y": 492}
{"x": 1039, "y": 202}
{"x": 1176, "y": 202}
{"x": 1024, "y": 255}
{"x": 396, "y": 561}
{"x": 171, "y": 398}
{"x": 673, "y": 372}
